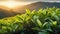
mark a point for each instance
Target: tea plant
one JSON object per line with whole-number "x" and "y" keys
{"x": 43, "y": 21}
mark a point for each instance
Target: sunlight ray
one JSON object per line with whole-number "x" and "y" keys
{"x": 12, "y": 3}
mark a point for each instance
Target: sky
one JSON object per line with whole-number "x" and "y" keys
{"x": 12, "y": 3}
{"x": 34, "y": 0}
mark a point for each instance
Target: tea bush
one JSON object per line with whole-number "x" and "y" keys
{"x": 43, "y": 21}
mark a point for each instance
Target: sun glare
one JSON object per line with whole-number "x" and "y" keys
{"x": 12, "y": 3}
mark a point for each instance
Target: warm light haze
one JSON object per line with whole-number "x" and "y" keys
{"x": 12, "y": 3}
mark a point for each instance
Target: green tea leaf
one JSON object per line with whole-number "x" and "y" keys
{"x": 39, "y": 23}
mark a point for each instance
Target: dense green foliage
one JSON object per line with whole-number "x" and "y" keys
{"x": 43, "y": 21}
